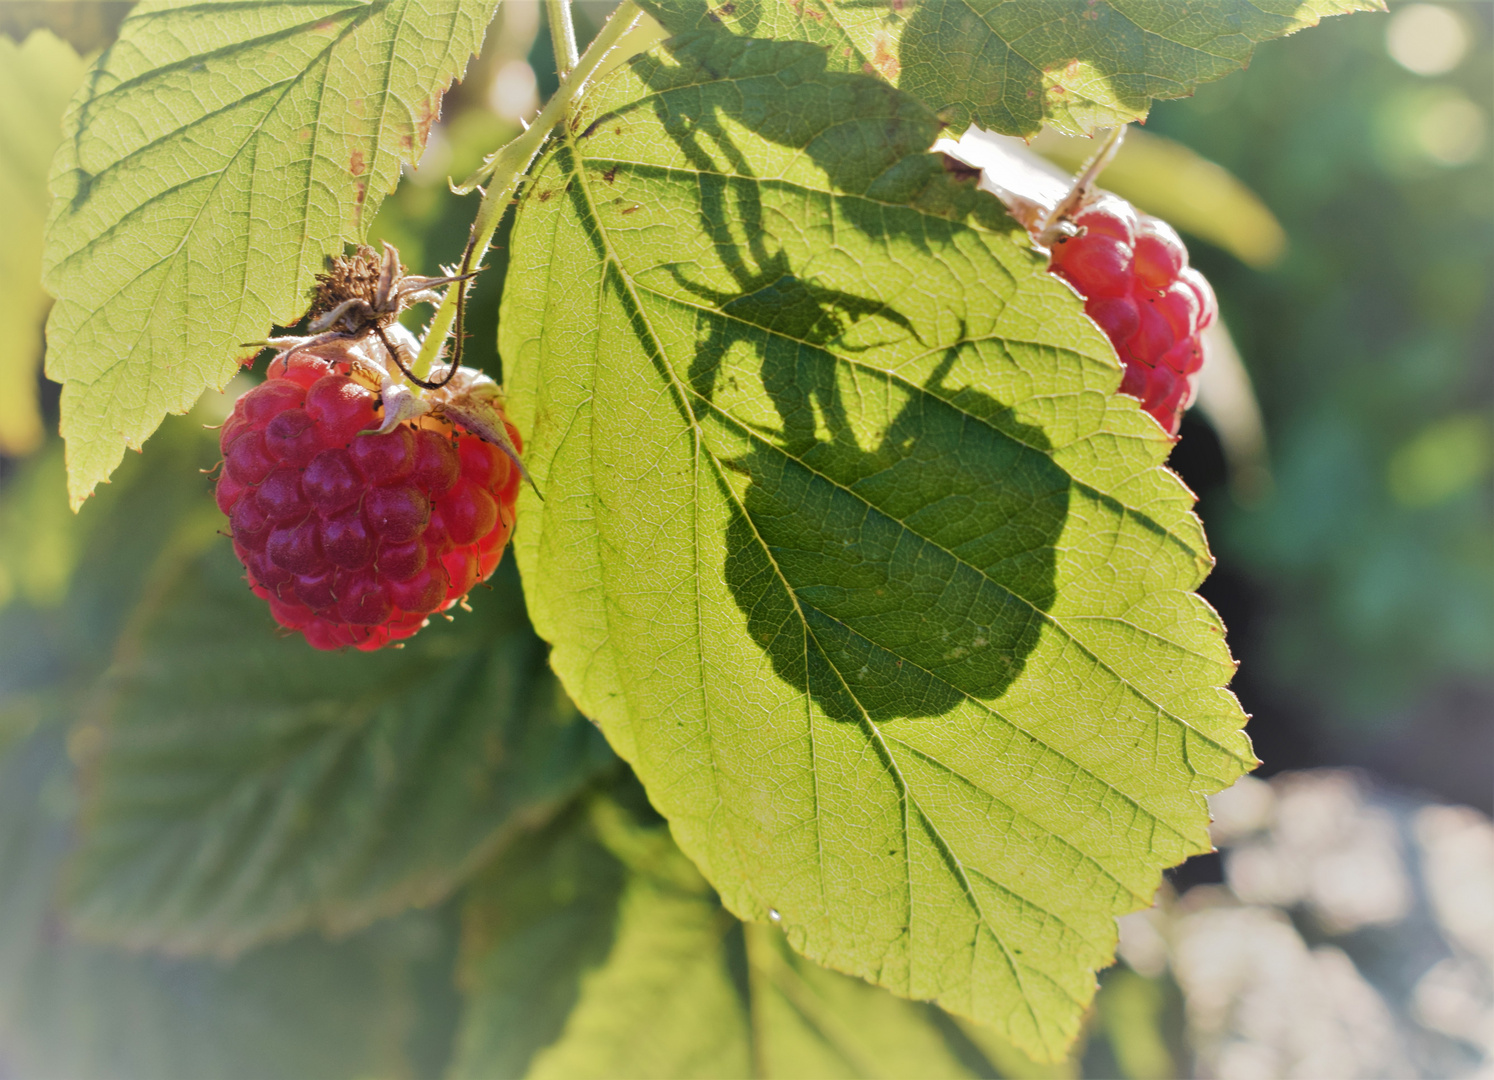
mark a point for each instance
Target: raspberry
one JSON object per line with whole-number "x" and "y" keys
{"x": 352, "y": 538}
{"x": 1133, "y": 272}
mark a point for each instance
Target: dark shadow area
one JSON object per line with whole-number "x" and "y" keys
{"x": 899, "y": 579}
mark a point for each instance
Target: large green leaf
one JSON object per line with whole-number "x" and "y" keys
{"x": 73, "y": 1010}
{"x": 1016, "y": 65}
{"x": 848, "y": 543}
{"x": 246, "y": 786}
{"x": 217, "y": 152}
{"x": 36, "y": 79}
{"x": 596, "y": 950}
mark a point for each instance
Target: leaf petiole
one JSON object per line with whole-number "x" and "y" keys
{"x": 562, "y": 35}
{"x": 503, "y": 170}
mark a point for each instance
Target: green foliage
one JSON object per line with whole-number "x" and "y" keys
{"x": 847, "y": 542}
{"x": 595, "y": 949}
{"x": 36, "y": 79}
{"x": 73, "y": 1009}
{"x": 37, "y": 537}
{"x": 1074, "y": 65}
{"x": 246, "y": 787}
{"x": 215, "y": 155}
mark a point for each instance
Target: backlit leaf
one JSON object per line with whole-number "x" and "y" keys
{"x": 596, "y": 950}
{"x": 217, "y": 152}
{"x": 1012, "y": 66}
{"x": 847, "y": 541}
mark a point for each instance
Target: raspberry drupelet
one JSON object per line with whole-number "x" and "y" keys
{"x": 1133, "y": 273}
{"x": 355, "y": 538}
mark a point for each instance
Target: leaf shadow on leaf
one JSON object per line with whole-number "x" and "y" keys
{"x": 1072, "y": 63}
{"x": 998, "y": 79}
{"x": 885, "y": 580}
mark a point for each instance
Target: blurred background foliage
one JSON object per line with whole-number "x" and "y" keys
{"x": 1338, "y": 196}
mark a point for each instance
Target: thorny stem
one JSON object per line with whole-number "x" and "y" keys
{"x": 1054, "y": 226}
{"x": 502, "y": 174}
{"x": 562, "y": 35}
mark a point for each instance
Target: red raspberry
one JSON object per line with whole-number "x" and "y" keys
{"x": 1133, "y": 272}
{"x": 354, "y": 539}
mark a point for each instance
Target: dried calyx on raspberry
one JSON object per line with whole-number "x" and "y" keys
{"x": 359, "y": 504}
{"x": 1132, "y": 270}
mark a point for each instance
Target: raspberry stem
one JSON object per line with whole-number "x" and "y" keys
{"x": 1054, "y": 226}
{"x": 503, "y": 169}
{"x": 562, "y": 35}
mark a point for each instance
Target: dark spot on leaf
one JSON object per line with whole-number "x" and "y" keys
{"x": 430, "y": 112}
{"x": 609, "y": 174}
{"x": 355, "y": 163}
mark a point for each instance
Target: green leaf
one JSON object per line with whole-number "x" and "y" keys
{"x": 1013, "y": 67}
{"x": 596, "y": 950}
{"x": 247, "y": 787}
{"x": 533, "y": 923}
{"x": 36, "y": 80}
{"x": 848, "y": 543}
{"x": 216, "y": 154}
{"x": 70, "y": 1008}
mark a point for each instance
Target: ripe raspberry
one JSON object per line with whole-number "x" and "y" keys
{"x": 354, "y": 539}
{"x": 1133, "y": 272}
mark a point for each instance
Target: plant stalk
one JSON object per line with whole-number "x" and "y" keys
{"x": 1054, "y": 227}
{"x": 509, "y": 164}
{"x": 562, "y": 35}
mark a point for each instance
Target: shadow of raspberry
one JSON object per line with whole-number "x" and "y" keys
{"x": 896, "y": 578}
{"x": 893, "y": 539}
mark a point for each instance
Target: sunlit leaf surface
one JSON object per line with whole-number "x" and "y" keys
{"x": 596, "y": 950}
